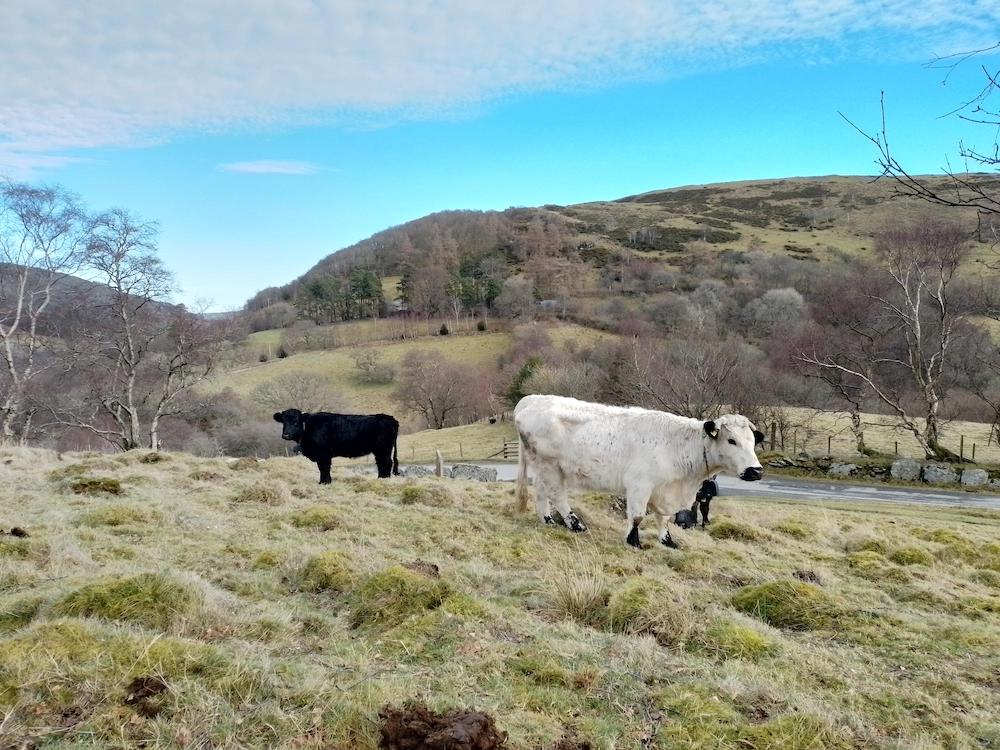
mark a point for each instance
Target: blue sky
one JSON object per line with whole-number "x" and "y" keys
{"x": 262, "y": 139}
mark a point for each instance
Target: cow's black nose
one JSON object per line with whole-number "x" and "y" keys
{"x": 752, "y": 474}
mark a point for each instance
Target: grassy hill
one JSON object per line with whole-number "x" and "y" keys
{"x": 191, "y": 602}
{"x": 806, "y": 218}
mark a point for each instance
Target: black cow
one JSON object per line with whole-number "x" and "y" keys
{"x": 322, "y": 436}
{"x": 702, "y": 500}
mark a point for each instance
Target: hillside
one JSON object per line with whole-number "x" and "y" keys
{"x": 184, "y": 602}
{"x": 805, "y": 218}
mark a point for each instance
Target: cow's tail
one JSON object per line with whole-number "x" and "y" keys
{"x": 395, "y": 454}
{"x": 521, "y": 495}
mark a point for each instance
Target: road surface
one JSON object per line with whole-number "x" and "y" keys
{"x": 806, "y": 489}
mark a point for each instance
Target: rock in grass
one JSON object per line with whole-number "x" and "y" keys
{"x": 905, "y": 470}
{"x": 936, "y": 474}
{"x": 842, "y": 470}
{"x": 149, "y": 599}
{"x": 975, "y": 477}
{"x": 475, "y": 473}
{"x": 790, "y": 604}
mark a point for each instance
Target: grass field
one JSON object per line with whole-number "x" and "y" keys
{"x": 206, "y": 603}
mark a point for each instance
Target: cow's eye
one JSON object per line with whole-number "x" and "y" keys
{"x": 732, "y": 442}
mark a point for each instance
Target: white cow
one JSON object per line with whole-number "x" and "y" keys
{"x": 657, "y": 460}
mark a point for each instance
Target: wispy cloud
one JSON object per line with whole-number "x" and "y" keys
{"x": 270, "y": 166}
{"x": 118, "y": 73}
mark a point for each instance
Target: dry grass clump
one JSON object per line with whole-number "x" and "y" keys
{"x": 644, "y": 606}
{"x": 789, "y": 604}
{"x": 114, "y": 516}
{"x": 206, "y": 475}
{"x": 321, "y": 517}
{"x": 246, "y": 463}
{"x": 152, "y": 600}
{"x": 989, "y": 578}
{"x": 265, "y": 492}
{"x": 153, "y": 457}
{"x": 740, "y": 532}
{"x": 911, "y": 556}
{"x": 96, "y": 486}
{"x": 19, "y": 549}
{"x": 580, "y": 595}
{"x": 426, "y": 493}
{"x": 390, "y": 596}
{"x": 328, "y": 572}
{"x": 867, "y": 564}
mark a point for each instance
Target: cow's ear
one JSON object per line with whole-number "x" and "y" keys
{"x": 758, "y": 437}
{"x": 711, "y": 430}
{"x": 278, "y": 417}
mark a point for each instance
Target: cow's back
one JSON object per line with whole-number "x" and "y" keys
{"x": 349, "y": 435}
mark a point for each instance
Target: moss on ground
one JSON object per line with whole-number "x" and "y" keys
{"x": 435, "y": 495}
{"x": 740, "y": 532}
{"x": 152, "y": 600}
{"x": 114, "y": 515}
{"x": 911, "y": 556}
{"x": 328, "y": 571}
{"x": 727, "y": 639}
{"x": 790, "y": 604}
{"x": 390, "y": 596}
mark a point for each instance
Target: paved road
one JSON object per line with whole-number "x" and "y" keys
{"x": 805, "y": 489}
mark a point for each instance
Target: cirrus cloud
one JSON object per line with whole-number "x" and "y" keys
{"x": 78, "y": 76}
{"x": 270, "y": 166}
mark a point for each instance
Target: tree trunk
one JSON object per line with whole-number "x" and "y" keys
{"x": 858, "y": 430}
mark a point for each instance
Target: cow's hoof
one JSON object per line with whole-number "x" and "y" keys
{"x": 668, "y": 542}
{"x": 326, "y": 481}
{"x": 633, "y": 538}
{"x": 575, "y": 524}
{"x": 548, "y": 521}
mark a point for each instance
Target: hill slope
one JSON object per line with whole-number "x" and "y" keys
{"x": 239, "y": 604}
{"x": 803, "y": 218}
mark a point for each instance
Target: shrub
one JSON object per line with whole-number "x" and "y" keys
{"x": 322, "y": 517}
{"x": 741, "y": 532}
{"x": 371, "y": 367}
{"x": 96, "y": 486}
{"x": 392, "y": 595}
{"x": 443, "y": 330}
{"x": 328, "y": 571}
{"x": 732, "y": 640}
{"x": 434, "y": 495}
{"x": 262, "y": 357}
{"x": 149, "y": 599}
{"x": 265, "y": 492}
{"x": 790, "y": 604}
{"x": 481, "y": 325}
{"x": 282, "y": 352}
{"x": 911, "y": 556}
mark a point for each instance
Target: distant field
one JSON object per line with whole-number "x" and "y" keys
{"x": 212, "y": 603}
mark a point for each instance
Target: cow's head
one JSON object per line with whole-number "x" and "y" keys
{"x": 731, "y": 442}
{"x": 293, "y": 423}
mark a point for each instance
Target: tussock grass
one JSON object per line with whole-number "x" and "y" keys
{"x": 265, "y": 492}
{"x": 911, "y": 556}
{"x": 321, "y": 517}
{"x": 794, "y": 529}
{"x": 430, "y": 493}
{"x": 114, "y": 515}
{"x": 96, "y": 486}
{"x": 149, "y": 599}
{"x": 328, "y": 571}
{"x": 273, "y": 634}
{"x": 741, "y": 532}
{"x": 790, "y": 604}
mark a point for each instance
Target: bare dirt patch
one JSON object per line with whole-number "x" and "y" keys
{"x": 414, "y": 727}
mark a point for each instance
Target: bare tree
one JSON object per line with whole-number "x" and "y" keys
{"x": 301, "y": 390}
{"x": 926, "y": 309}
{"x": 959, "y": 188}
{"x": 444, "y": 393}
{"x": 41, "y": 241}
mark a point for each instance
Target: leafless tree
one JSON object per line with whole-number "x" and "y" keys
{"x": 299, "y": 390}
{"x": 926, "y": 309}
{"x": 41, "y": 241}
{"x": 444, "y": 393}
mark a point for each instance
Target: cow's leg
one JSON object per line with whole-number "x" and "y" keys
{"x": 384, "y": 463}
{"x": 636, "y": 500}
{"x": 544, "y": 487}
{"x": 571, "y": 519}
{"x": 665, "y": 538}
{"x": 324, "y": 470}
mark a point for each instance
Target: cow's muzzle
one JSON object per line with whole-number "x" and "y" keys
{"x": 752, "y": 474}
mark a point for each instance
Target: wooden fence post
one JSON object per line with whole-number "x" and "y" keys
{"x": 829, "y": 441}
{"x": 897, "y": 448}
{"x": 961, "y": 447}
{"x": 973, "y": 453}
